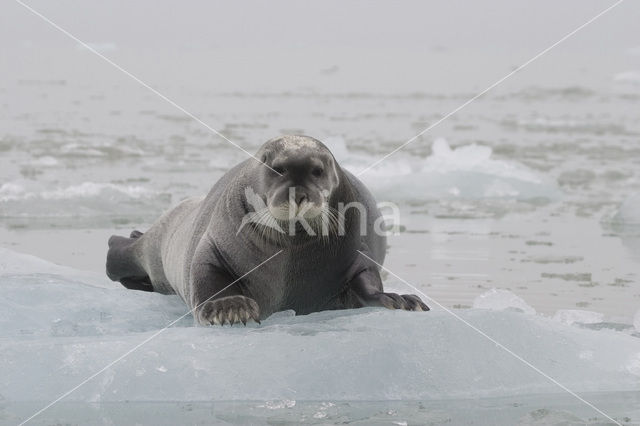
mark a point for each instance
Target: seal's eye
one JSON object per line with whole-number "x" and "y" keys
{"x": 317, "y": 171}
{"x": 278, "y": 169}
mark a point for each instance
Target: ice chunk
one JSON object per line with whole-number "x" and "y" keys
{"x": 629, "y": 212}
{"x": 468, "y": 172}
{"x": 636, "y": 321}
{"x": 628, "y": 77}
{"x": 13, "y": 191}
{"x": 45, "y": 161}
{"x": 572, "y": 316}
{"x": 57, "y": 329}
{"x": 498, "y": 299}
{"x": 22, "y": 201}
{"x": 370, "y": 354}
{"x": 476, "y": 158}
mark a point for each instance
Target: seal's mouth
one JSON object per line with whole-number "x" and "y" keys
{"x": 305, "y": 218}
{"x": 292, "y": 211}
{"x": 308, "y": 214}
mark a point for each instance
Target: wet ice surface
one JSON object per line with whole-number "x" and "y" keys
{"x": 520, "y": 211}
{"x": 59, "y": 326}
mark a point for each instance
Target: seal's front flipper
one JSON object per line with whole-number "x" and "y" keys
{"x": 408, "y": 302}
{"x": 230, "y": 309}
{"x": 216, "y": 296}
{"x": 365, "y": 289}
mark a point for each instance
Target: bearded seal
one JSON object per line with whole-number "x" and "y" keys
{"x": 283, "y": 208}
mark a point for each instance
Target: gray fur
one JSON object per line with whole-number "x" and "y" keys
{"x": 195, "y": 249}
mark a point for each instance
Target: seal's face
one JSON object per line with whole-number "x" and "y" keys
{"x": 301, "y": 178}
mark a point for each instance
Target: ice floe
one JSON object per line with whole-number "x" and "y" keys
{"x": 89, "y": 201}
{"x": 572, "y": 316}
{"x": 468, "y": 172}
{"x": 58, "y": 327}
{"x": 499, "y": 300}
{"x": 629, "y": 212}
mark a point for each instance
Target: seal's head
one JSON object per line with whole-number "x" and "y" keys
{"x": 301, "y": 176}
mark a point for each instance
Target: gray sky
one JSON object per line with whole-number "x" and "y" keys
{"x": 285, "y": 45}
{"x": 504, "y": 24}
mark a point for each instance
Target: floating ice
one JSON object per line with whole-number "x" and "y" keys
{"x": 572, "y": 316}
{"x": 499, "y": 300}
{"x": 636, "y": 321}
{"x": 13, "y": 191}
{"x": 91, "y": 189}
{"x": 563, "y": 125}
{"x": 22, "y": 200}
{"x": 629, "y": 212}
{"x": 465, "y": 172}
{"x": 629, "y": 77}
{"x": 59, "y": 327}
{"x": 474, "y": 158}
{"x": 44, "y": 161}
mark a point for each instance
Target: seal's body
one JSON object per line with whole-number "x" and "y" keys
{"x": 240, "y": 253}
